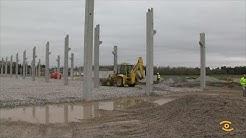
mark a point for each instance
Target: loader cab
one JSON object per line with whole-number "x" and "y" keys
{"x": 125, "y": 69}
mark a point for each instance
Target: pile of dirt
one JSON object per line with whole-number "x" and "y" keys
{"x": 186, "y": 117}
{"x": 196, "y": 116}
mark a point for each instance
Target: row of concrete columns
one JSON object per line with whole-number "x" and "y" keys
{"x": 150, "y": 32}
{"x": 6, "y": 62}
{"x": 24, "y": 70}
{"x": 88, "y": 54}
{"x": 36, "y": 71}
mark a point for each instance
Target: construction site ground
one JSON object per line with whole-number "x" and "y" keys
{"x": 175, "y": 108}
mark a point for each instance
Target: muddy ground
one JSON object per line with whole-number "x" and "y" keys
{"x": 190, "y": 114}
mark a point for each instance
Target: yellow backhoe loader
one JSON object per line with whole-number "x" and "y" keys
{"x": 128, "y": 75}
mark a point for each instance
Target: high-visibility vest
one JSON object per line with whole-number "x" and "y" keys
{"x": 243, "y": 81}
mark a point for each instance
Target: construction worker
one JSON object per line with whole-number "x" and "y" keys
{"x": 158, "y": 77}
{"x": 243, "y": 83}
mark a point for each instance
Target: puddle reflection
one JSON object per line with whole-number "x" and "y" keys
{"x": 163, "y": 101}
{"x": 65, "y": 113}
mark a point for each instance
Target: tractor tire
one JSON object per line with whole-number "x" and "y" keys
{"x": 119, "y": 82}
{"x": 131, "y": 85}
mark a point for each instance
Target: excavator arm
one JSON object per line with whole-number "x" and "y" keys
{"x": 137, "y": 72}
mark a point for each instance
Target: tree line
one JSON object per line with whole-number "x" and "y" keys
{"x": 224, "y": 70}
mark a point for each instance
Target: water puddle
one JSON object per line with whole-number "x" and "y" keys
{"x": 65, "y": 113}
{"x": 61, "y": 113}
{"x": 163, "y": 101}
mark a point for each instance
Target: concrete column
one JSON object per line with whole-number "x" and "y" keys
{"x": 97, "y": 43}
{"x": 11, "y": 66}
{"x": 58, "y": 63}
{"x": 72, "y": 65}
{"x": 34, "y": 56}
{"x": 24, "y": 65}
{"x": 39, "y": 68}
{"x": 16, "y": 65}
{"x": 27, "y": 68}
{"x": 47, "y": 62}
{"x": 80, "y": 72}
{"x": 115, "y": 53}
{"x": 2, "y": 67}
{"x": 88, "y": 50}
{"x": 6, "y": 66}
{"x": 65, "y": 69}
{"x": 36, "y": 70}
{"x": 31, "y": 69}
{"x": 203, "y": 61}
{"x": 149, "y": 50}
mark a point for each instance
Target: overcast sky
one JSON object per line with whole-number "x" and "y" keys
{"x": 29, "y": 23}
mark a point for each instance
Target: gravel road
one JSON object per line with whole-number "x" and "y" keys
{"x": 20, "y": 91}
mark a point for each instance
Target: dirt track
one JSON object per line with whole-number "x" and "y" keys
{"x": 188, "y": 116}
{"x": 19, "y": 92}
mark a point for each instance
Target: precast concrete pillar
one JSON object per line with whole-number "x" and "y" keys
{"x": 11, "y": 66}
{"x": 2, "y": 67}
{"x": 24, "y": 65}
{"x": 34, "y": 56}
{"x": 58, "y": 63}
{"x": 36, "y": 70}
{"x": 202, "y": 61}
{"x": 6, "y": 66}
{"x": 31, "y": 69}
{"x": 39, "y": 68}
{"x": 27, "y": 69}
{"x": 65, "y": 69}
{"x": 80, "y": 73}
{"x": 115, "y": 53}
{"x": 72, "y": 66}
{"x": 88, "y": 49}
{"x": 16, "y": 65}
{"x": 150, "y": 32}
{"x": 47, "y": 62}
{"x": 97, "y": 44}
